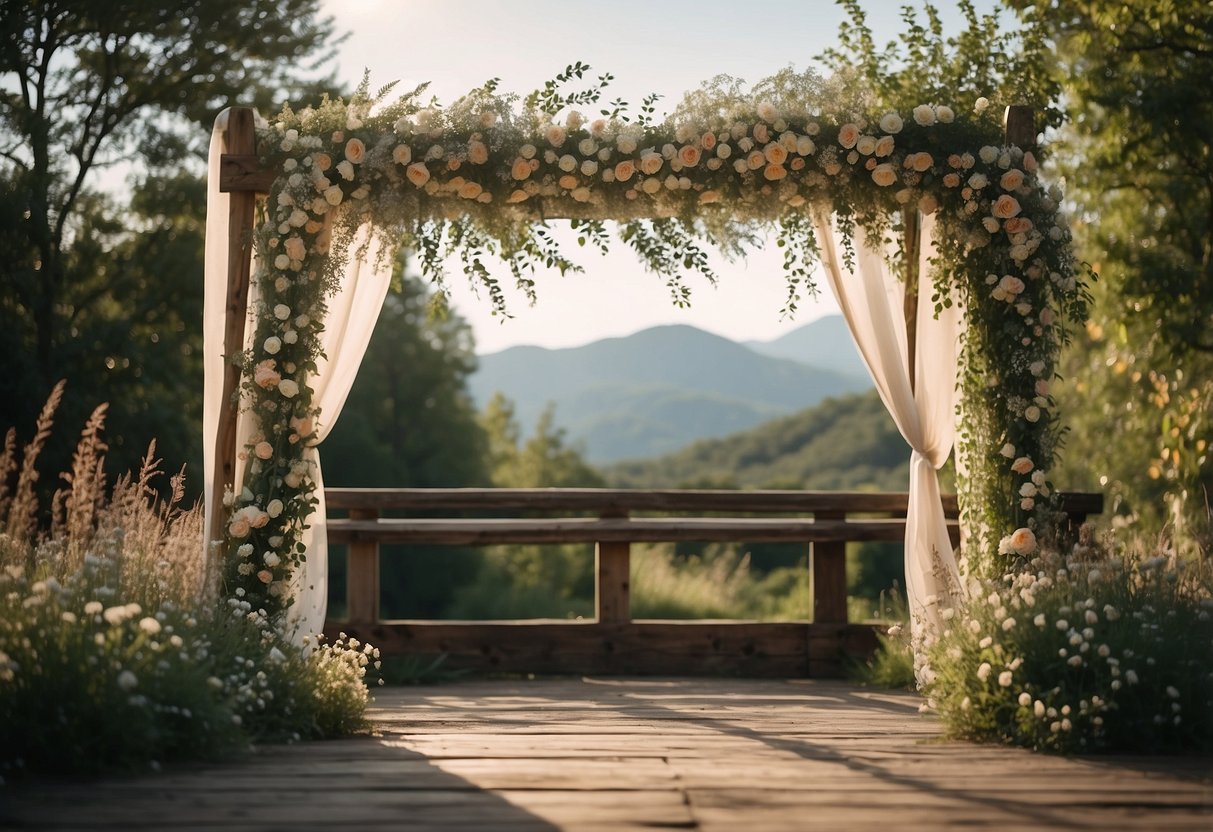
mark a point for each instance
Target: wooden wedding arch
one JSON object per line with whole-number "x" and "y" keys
{"x": 614, "y": 519}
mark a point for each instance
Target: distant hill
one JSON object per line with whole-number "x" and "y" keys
{"x": 847, "y": 443}
{"x": 824, "y": 343}
{"x": 654, "y": 391}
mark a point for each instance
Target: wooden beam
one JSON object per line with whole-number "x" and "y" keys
{"x": 362, "y": 575}
{"x": 829, "y": 560}
{"x": 613, "y": 578}
{"x": 622, "y": 500}
{"x": 243, "y": 172}
{"x": 1019, "y": 123}
{"x": 241, "y": 139}
{"x": 751, "y": 648}
{"x": 465, "y": 532}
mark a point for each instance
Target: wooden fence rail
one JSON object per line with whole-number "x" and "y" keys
{"x": 613, "y": 641}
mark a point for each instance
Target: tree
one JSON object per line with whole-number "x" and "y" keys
{"x": 105, "y": 296}
{"x": 1135, "y": 155}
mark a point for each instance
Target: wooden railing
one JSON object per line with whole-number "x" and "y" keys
{"x": 613, "y": 641}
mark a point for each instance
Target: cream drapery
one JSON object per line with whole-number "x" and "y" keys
{"x": 349, "y": 322}
{"x": 872, "y": 301}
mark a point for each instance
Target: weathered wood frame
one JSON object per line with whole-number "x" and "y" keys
{"x": 613, "y": 634}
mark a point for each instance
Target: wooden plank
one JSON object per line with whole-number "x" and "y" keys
{"x": 243, "y": 172}
{"x": 620, "y": 501}
{"x": 612, "y": 587}
{"x": 362, "y": 575}
{"x": 454, "y": 531}
{"x": 829, "y": 564}
{"x": 241, "y": 138}
{"x": 750, "y": 648}
{"x": 602, "y": 500}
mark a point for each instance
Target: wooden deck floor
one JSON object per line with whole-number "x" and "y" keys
{"x": 611, "y": 754}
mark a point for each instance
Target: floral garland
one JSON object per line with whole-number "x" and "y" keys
{"x": 477, "y": 179}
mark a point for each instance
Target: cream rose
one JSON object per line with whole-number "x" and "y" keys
{"x": 891, "y": 123}
{"x": 296, "y": 249}
{"x": 264, "y": 374}
{"x": 924, "y": 115}
{"x": 555, "y": 135}
{"x": 1023, "y": 465}
{"x": 624, "y": 170}
{"x": 650, "y": 163}
{"x": 478, "y": 153}
{"x": 288, "y": 388}
{"x": 263, "y": 450}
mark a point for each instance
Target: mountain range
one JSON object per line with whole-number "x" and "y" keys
{"x": 661, "y": 389}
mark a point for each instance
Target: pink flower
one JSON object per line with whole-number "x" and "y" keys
{"x": 264, "y": 374}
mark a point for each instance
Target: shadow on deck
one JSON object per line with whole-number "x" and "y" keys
{"x": 615, "y": 754}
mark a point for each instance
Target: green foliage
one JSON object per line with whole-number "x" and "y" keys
{"x": 104, "y": 294}
{"x": 846, "y": 443}
{"x": 1094, "y": 652}
{"x": 1135, "y": 151}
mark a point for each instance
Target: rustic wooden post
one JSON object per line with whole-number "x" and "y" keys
{"x": 241, "y": 139}
{"x": 612, "y": 585}
{"x": 829, "y": 559}
{"x": 1019, "y": 124}
{"x": 362, "y": 575}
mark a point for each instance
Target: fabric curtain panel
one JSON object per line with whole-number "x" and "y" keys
{"x": 349, "y": 321}
{"x": 872, "y": 300}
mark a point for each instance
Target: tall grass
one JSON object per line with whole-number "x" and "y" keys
{"x": 109, "y": 654}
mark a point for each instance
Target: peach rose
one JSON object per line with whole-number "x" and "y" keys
{"x": 517, "y": 196}
{"x": 1005, "y": 207}
{"x": 624, "y": 170}
{"x": 1017, "y": 225}
{"x": 884, "y": 175}
{"x": 689, "y": 155}
{"x": 568, "y": 182}
{"x": 417, "y": 173}
{"x": 402, "y": 154}
{"x": 848, "y": 134}
{"x": 923, "y": 162}
{"x": 478, "y": 154}
{"x": 708, "y": 197}
{"x": 1023, "y": 542}
{"x": 521, "y": 169}
{"x": 1023, "y": 465}
{"x": 884, "y": 146}
{"x": 1011, "y": 180}
{"x": 650, "y": 163}
{"x": 322, "y": 161}
{"x": 708, "y": 141}
{"x": 263, "y": 450}
{"x": 774, "y": 172}
{"x": 951, "y": 180}
{"x": 1011, "y": 285}
{"x": 554, "y": 134}
{"x": 755, "y": 160}
{"x": 264, "y": 374}
{"x": 761, "y": 134}
{"x": 775, "y": 153}
{"x": 470, "y": 190}
{"x": 265, "y": 576}
{"x": 797, "y": 163}
{"x": 239, "y": 527}
{"x": 355, "y": 151}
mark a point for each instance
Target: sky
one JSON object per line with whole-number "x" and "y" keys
{"x": 649, "y": 46}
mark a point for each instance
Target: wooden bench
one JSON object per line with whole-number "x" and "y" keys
{"x": 613, "y": 641}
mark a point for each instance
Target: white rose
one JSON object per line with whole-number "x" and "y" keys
{"x": 944, "y": 113}
{"x": 924, "y": 114}
{"x": 272, "y": 345}
{"x": 891, "y": 123}
{"x": 288, "y": 388}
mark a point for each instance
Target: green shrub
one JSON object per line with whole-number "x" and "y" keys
{"x": 110, "y": 656}
{"x": 1086, "y": 653}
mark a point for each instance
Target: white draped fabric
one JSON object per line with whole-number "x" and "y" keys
{"x": 872, "y": 301}
{"x": 349, "y": 322}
